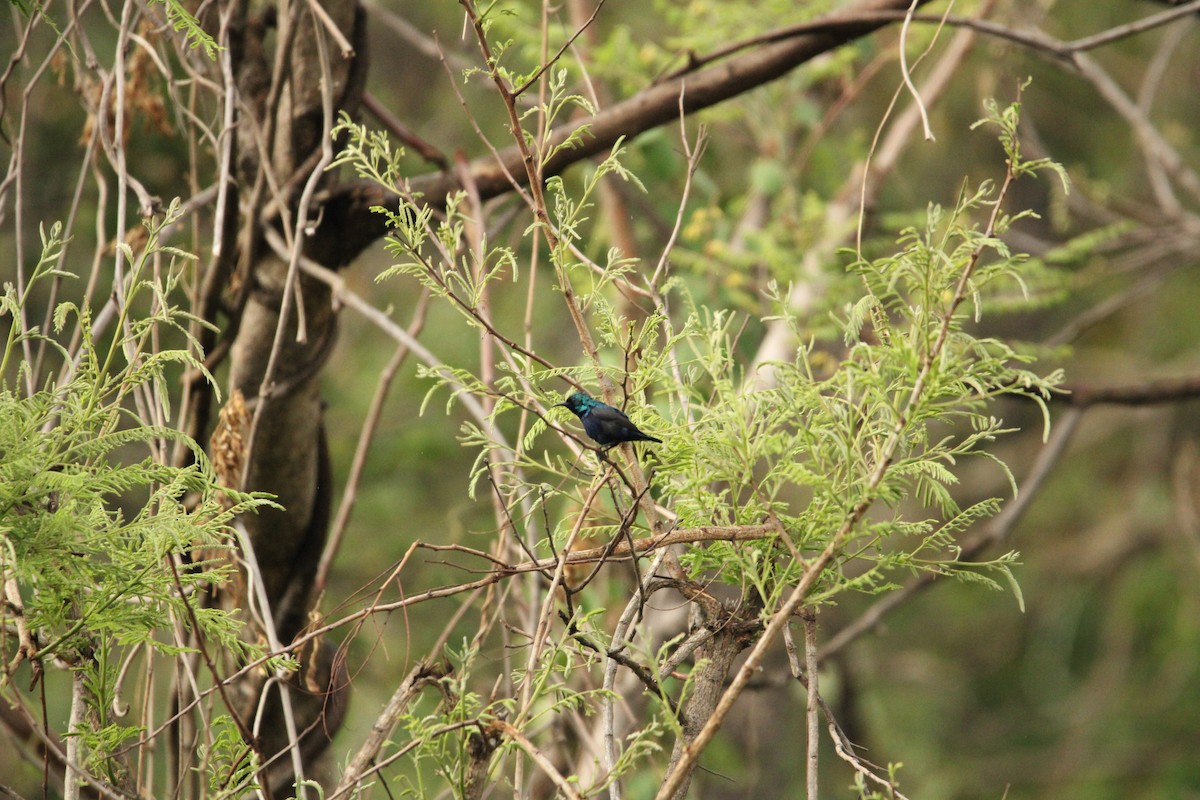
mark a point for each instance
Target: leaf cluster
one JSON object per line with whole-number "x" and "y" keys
{"x": 96, "y": 543}
{"x": 852, "y": 450}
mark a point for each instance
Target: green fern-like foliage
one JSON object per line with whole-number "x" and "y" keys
{"x": 97, "y": 527}
{"x": 194, "y": 34}
{"x": 850, "y": 454}
{"x": 912, "y": 388}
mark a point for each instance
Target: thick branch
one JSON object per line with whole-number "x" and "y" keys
{"x": 656, "y": 105}
{"x": 1168, "y": 390}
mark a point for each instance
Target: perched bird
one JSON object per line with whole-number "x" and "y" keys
{"x": 608, "y": 426}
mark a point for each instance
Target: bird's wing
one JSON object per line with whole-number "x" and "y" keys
{"x": 609, "y": 413}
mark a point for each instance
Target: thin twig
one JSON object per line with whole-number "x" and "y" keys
{"x": 385, "y": 323}
{"x": 1153, "y": 143}
{"x": 520, "y": 90}
{"x": 256, "y": 595}
{"x": 906, "y": 74}
{"x": 365, "y": 438}
{"x": 608, "y": 699}
{"x": 812, "y": 710}
{"x": 396, "y": 706}
{"x": 319, "y": 12}
{"x": 841, "y": 743}
{"x": 539, "y": 758}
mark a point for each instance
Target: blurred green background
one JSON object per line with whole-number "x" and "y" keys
{"x": 1092, "y": 692}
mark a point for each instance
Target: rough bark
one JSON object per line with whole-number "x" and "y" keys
{"x": 714, "y": 660}
{"x": 286, "y": 445}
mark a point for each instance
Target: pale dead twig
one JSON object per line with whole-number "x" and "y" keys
{"x": 539, "y": 758}
{"x": 939, "y": 82}
{"x": 812, "y": 709}
{"x": 1154, "y": 145}
{"x": 841, "y": 744}
{"x": 378, "y": 318}
{"x": 906, "y": 74}
{"x": 365, "y": 438}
